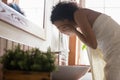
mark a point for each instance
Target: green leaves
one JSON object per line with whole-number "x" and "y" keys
{"x": 29, "y": 60}
{"x": 84, "y": 47}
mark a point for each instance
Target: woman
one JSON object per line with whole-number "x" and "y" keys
{"x": 95, "y": 29}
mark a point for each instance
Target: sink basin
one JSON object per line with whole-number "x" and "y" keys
{"x": 70, "y": 72}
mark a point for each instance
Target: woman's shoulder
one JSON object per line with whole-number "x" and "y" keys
{"x": 91, "y": 15}
{"x": 87, "y": 12}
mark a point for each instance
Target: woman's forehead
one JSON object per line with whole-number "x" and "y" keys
{"x": 58, "y": 23}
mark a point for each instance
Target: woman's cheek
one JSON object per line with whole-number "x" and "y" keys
{"x": 67, "y": 32}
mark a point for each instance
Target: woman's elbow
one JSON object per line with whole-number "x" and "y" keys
{"x": 94, "y": 46}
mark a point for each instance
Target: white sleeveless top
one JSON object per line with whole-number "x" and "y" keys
{"x": 107, "y": 33}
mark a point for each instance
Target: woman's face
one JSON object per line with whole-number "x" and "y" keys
{"x": 65, "y": 26}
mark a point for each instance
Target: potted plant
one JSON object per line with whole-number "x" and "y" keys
{"x": 30, "y": 64}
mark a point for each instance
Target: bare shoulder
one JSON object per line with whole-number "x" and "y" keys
{"x": 91, "y": 15}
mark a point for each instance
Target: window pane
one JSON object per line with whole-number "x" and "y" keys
{"x": 112, "y": 3}
{"x": 115, "y": 14}
{"x": 94, "y": 3}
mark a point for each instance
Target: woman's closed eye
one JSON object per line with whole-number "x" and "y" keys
{"x": 65, "y": 26}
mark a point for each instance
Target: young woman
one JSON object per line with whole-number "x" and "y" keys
{"x": 95, "y": 29}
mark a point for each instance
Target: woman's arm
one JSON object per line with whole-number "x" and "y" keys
{"x": 86, "y": 35}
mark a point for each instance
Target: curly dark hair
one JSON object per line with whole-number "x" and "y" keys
{"x": 64, "y": 10}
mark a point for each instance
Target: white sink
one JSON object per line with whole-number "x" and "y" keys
{"x": 70, "y": 72}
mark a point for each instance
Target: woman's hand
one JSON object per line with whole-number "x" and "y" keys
{"x": 67, "y": 29}
{"x": 65, "y": 26}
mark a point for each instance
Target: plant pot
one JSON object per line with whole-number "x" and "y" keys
{"x": 24, "y": 75}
